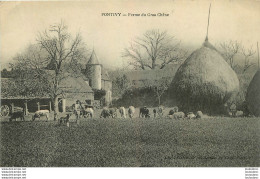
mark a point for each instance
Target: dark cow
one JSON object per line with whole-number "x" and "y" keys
{"x": 105, "y": 113}
{"x": 171, "y": 112}
{"x": 64, "y": 119}
{"x": 144, "y": 112}
{"x": 113, "y": 112}
{"x": 18, "y": 114}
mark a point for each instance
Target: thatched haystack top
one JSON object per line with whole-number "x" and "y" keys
{"x": 207, "y": 66}
{"x": 253, "y": 95}
{"x": 209, "y": 45}
{"x": 204, "y": 79}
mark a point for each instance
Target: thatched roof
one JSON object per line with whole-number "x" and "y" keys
{"x": 71, "y": 84}
{"x": 138, "y": 78}
{"x": 253, "y": 95}
{"x": 75, "y": 84}
{"x": 9, "y": 90}
{"x": 204, "y": 81}
{"x": 155, "y": 74}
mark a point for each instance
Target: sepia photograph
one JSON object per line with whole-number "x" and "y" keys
{"x": 115, "y": 83}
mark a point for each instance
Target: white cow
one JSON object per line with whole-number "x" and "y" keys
{"x": 179, "y": 115}
{"x": 191, "y": 115}
{"x": 89, "y": 112}
{"x": 239, "y": 114}
{"x": 199, "y": 115}
{"x": 122, "y": 112}
{"x": 131, "y": 111}
{"x": 40, "y": 113}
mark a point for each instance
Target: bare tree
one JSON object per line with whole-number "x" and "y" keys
{"x": 159, "y": 86}
{"x": 32, "y": 58}
{"x": 248, "y": 54}
{"x": 153, "y": 50}
{"x": 60, "y": 49}
{"x": 229, "y": 50}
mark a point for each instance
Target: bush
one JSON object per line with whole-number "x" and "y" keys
{"x": 137, "y": 97}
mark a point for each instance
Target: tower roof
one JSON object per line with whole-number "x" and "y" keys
{"x": 93, "y": 60}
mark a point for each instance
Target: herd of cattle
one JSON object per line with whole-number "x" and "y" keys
{"x": 106, "y": 112}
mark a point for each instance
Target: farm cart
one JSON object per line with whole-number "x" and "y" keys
{"x": 15, "y": 104}
{"x": 7, "y": 109}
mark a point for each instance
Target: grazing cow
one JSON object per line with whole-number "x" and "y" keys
{"x": 105, "y": 113}
{"x": 175, "y": 109}
{"x": 144, "y": 112}
{"x": 88, "y": 112}
{"x": 171, "y": 112}
{"x": 64, "y": 119}
{"x": 239, "y": 114}
{"x": 199, "y": 115}
{"x": 40, "y": 113}
{"x": 122, "y": 112}
{"x": 160, "y": 111}
{"x": 113, "y": 112}
{"x": 170, "y": 115}
{"x": 233, "y": 109}
{"x": 191, "y": 115}
{"x": 68, "y": 121}
{"x": 179, "y": 115}
{"x": 245, "y": 109}
{"x": 131, "y": 111}
{"x": 18, "y": 114}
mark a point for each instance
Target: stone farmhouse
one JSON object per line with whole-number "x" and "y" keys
{"x": 93, "y": 78}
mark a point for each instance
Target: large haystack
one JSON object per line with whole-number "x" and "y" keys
{"x": 253, "y": 95}
{"x": 204, "y": 81}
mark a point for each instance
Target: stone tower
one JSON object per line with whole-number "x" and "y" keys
{"x": 93, "y": 71}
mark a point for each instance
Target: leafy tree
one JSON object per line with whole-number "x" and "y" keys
{"x": 28, "y": 73}
{"x": 120, "y": 84}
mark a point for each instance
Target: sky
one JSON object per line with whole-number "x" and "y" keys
{"x": 20, "y": 22}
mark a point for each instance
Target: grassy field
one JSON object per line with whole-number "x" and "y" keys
{"x": 214, "y": 142}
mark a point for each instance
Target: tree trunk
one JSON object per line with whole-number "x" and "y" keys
{"x": 153, "y": 63}
{"x": 56, "y": 107}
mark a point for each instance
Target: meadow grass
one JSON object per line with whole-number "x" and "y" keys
{"x": 214, "y": 142}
